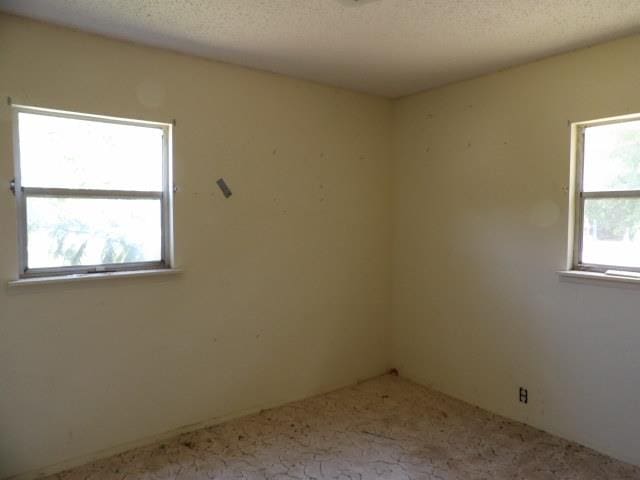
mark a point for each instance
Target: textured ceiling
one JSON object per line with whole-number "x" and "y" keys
{"x": 387, "y": 47}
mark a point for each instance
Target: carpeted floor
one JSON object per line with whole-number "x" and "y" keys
{"x": 385, "y": 428}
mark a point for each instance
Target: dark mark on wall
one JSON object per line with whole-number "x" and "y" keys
{"x": 223, "y": 187}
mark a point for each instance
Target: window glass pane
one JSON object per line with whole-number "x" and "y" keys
{"x": 64, "y": 152}
{"x": 611, "y": 232}
{"x": 612, "y": 157}
{"x": 91, "y": 231}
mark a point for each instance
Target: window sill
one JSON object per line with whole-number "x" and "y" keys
{"x": 84, "y": 277}
{"x": 598, "y": 277}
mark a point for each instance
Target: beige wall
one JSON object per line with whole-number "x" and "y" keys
{"x": 285, "y": 290}
{"x": 480, "y": 212}
{"x": 287, "y": 285}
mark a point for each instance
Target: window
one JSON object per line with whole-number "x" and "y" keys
{"x": 92, "y": 193}
{"x": 606, "y": 233}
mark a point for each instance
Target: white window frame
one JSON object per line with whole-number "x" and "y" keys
{"x": 22, "y": 193}
{"x": 578, "y": 197}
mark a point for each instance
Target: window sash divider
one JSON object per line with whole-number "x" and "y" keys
{"x": 89, "y": 193}
{"x": 612, "y": 194}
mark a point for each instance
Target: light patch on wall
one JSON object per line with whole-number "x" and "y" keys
{"x": 150, "y": 93}
{"x": 544, "y": 214}
{"x": 355, "y": 3}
